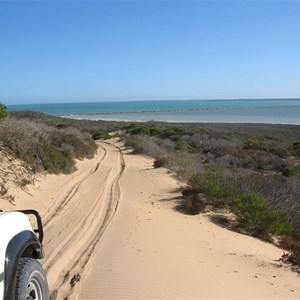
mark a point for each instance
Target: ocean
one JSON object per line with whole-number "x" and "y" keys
{"x": 271, "y": 111}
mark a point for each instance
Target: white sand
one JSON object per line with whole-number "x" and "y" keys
{"x": 149, "y": 250}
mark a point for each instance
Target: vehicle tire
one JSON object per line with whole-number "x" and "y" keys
{"x": 31, "y": 282}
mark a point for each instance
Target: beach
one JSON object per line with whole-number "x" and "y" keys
{"x": 112, "y": 231}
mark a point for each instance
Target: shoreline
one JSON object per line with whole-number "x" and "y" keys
{"x": 238, "y": 115}
{"x": 187, "y": 122}
{"x": 179, "y": 110}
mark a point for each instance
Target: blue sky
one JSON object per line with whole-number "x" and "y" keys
{"x": 71, "y": 51}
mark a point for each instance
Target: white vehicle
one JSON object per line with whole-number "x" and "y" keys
{"x": 21, "y": 275}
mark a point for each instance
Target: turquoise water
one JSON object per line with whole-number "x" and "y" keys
{"x": 278, "y": 111}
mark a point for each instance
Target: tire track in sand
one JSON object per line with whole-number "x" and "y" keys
{"x": 74, "y": 188}
{"x": 79, "y": 221}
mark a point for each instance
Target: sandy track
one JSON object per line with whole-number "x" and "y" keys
{"x": 149, "y": 250}
{"x": 74, "y": 226}
{"x": 152, "y": 251}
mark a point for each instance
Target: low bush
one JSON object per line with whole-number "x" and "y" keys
{"x": 155, "y": 130}
{"x": 296, "y": 148}
{"x": 53, "y": 160}
{"x": 3, "y": 111}
{"x": 45, "y": 147}
{"x": 169, "y": 133}
{"x": 195, "y": 181}
{"x": 283, "y": 153}
{"x": 174, "y": 131}
{"x": 159, "y": 162}
{"x": 212, "y": 183}
{"x": 140, "y": 130}
{"x": 100, "y": 135}
{"x": 62, "y": 126}
{"x": 288, "y": 171}
{"x": 256, "y": 218}
{"x": 193, "y": 204}
{"x": 183, "y": 145}
{"x": 205, "y": 129}
{"x": 292, "y": 244}
{"x": 255, "y": 145}
{"x": 131, "y": 143}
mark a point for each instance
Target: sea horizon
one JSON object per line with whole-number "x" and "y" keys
{"x": 271, "y": 110}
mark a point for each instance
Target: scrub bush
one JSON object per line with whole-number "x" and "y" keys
{"x": 100, "y": 135}
{"x": 193, "y": 204}
{"x": 256, "y": 218}
{"x": 131, "y": 143}
{"x": 3, "y": 111}
{"x": 45, "y": 147}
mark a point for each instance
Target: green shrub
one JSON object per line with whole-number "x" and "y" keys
{"x": 195, "y": 181}
{"x": 129, "y": 126}
{"x": 173, "y": 131}
{"x": 179, "y": 130}
{"x": 53, "y": 160}
{"x": 288, "y": 171}
{"x": 155, "y": 130}
{"x": 131, "y": 143}
{"x": 3, "y": 111}
{"x": 140, "y": 130}
{"x": 296, "y": 148}
{"x": 212, "y": 183}
{"x": 297, "y": 143}
{"x": 72, "y": 142}
{"x": 205, "y": 129}
{"x": 100, "y": 135}
{"x": 62, "y": 126}
{"x": 169, "y": 133}
{"x": 256, "y": 218}
{"x": 283, "y": 153}
{"x": 255, "y": 145}
{"x": 184, "y": 146}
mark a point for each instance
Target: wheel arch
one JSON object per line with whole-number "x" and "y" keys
{"x": 23, "y": 244}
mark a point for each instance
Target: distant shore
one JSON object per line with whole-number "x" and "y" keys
{"x": 276, "y": 111}
{"x": 177, "y": 110}
{"x": 262, "y": 115}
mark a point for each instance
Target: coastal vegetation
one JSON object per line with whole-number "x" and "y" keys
{"x": 3, "y": 111}
{"x": 45, "y": 147}
{"x": 249, "y": 171}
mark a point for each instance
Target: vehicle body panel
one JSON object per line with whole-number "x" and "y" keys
{"x": 11, "y": 224}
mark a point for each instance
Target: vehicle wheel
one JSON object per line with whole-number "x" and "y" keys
{"x": 31, "y": 282}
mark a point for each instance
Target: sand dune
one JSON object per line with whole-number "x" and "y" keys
{"x": 152, "y": 251}
{"x": 111, "y": 232}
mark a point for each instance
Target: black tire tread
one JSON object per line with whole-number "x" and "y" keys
{"x": 25, "y": 266}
